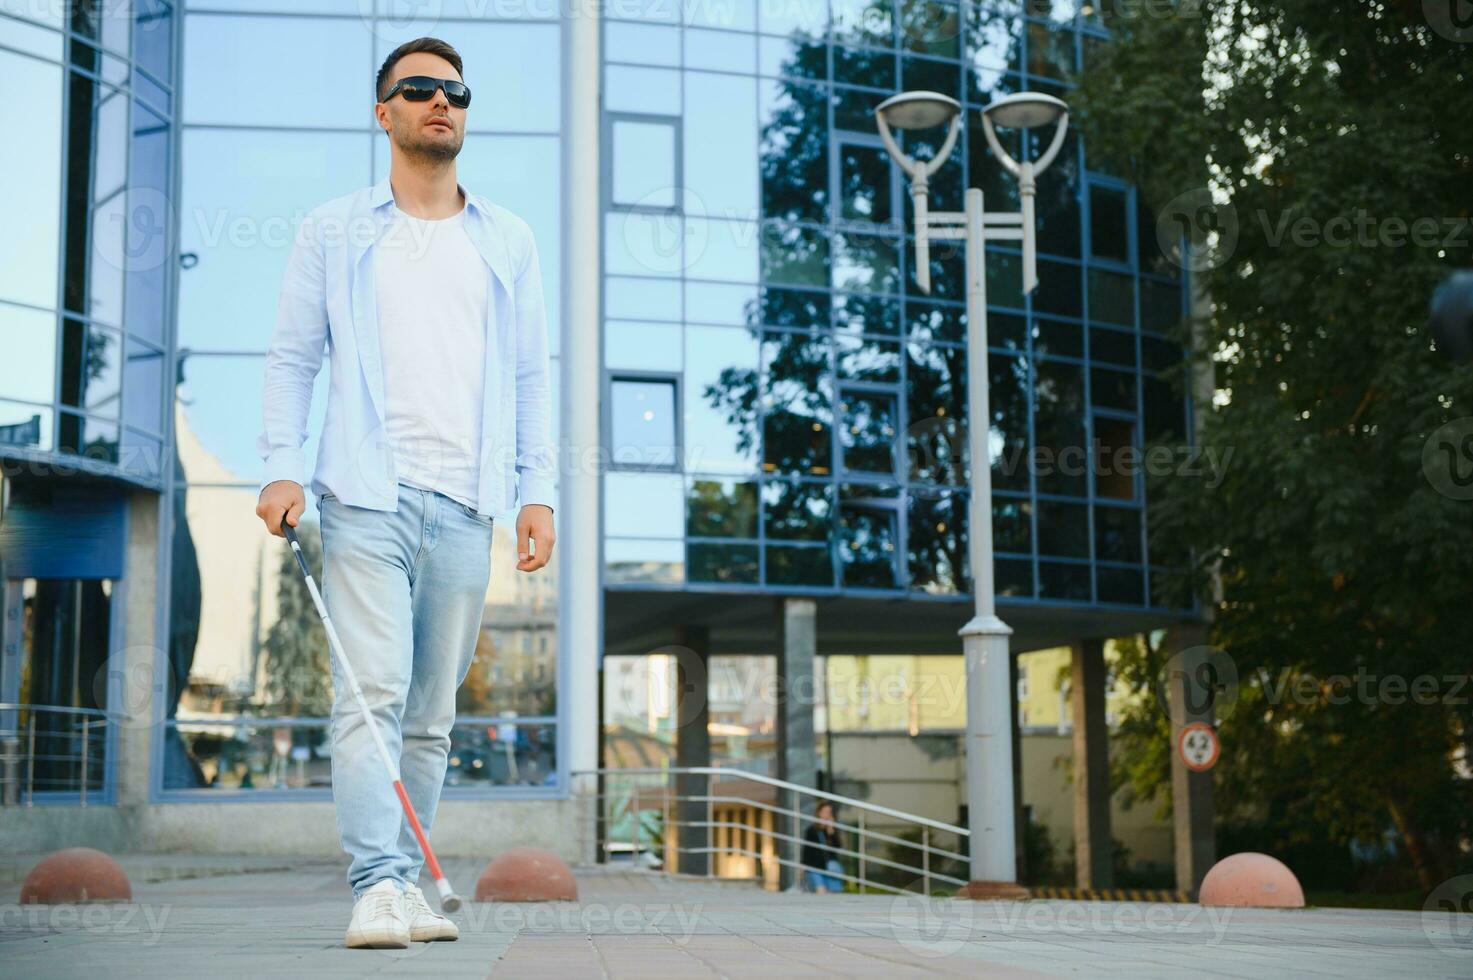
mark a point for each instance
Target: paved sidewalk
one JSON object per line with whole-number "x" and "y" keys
{"x": 271, "y": 923}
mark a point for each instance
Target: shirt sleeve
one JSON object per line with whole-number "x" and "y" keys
{"x": 535, "y": 453}
{"x": 293, "y": 358}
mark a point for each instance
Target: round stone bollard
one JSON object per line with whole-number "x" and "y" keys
{"x": 527, "y": 874}
{"x": 77, "y": 874}
{"x": 1251, "y": 880}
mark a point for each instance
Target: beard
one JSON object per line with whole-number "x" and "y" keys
{"x": 431, "y": 148}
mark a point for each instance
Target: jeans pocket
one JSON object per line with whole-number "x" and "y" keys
{"x": 471, "y": 513}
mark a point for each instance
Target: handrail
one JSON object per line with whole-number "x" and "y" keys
{"x": 848, "y": 801}
{"x": 60, "y": 710}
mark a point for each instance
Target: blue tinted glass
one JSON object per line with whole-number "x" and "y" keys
{"x": 244, "y": 193}
{"x": 27, "y": 426}
{"x": 721, "y": 432}
{"x": 28, "y": 263}
{"x": 28, "y": 367}
{"x": 143, "y": 379}
{"x": 149, "y": 216}
{"x": 720, "y": 145}
{"x": 644, "y": 164}
{"x": 643, "y": 423}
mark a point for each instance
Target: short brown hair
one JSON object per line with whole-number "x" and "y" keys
{"x": 433, "y": 45}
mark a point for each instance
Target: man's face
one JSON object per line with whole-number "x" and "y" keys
{"x": 434, "y": 129}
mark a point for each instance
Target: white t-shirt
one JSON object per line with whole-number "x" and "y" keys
{"x": 432, "y": 287}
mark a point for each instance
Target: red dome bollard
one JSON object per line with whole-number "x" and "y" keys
{"x": 77, "y": 874}
{"x": 527, "y": 874}
{"x": 1251, "y": 880}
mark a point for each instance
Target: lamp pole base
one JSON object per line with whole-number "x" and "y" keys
{"x": 994, "y": 891}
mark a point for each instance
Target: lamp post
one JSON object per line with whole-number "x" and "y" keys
{"x": 989, "y": 743}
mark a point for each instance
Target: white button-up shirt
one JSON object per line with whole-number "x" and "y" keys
{"x": 328, "y": 299}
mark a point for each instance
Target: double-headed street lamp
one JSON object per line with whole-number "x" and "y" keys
{"x": 989, "y": 745}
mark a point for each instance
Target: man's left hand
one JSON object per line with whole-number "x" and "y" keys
{"x": 534, "y": 522}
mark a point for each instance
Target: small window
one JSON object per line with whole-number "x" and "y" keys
{"x": 644, "y": 164}
{"x": 1113, "y": 463}
{"x": 1109, "y": 230}
{"x": 643, "y": 423}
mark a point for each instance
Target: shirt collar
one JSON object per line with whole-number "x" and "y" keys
{"x": 383, "y": 194}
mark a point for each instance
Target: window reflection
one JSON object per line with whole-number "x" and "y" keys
{"x": 722, "y": 563}
{"x": 721, "y": 174}
{"x": 865, "y": 359}
{"x": 28, "y": 263}
{"x": 794, "y": 566}
{"x": 28, "y": 340}
{"x": 858, "y": 22}
{"x": 1007, "y": 438}
{"x": 867, "y": 545}
{"x": 868, "y": 430}
{"x": 797, "y": 511}
{"x": 859, "y": 313}
{"x": 1063, "y": 529}
{"x": 643, "y": 163}
{"x": 864, "y": 184}
{"x": 1118, "y": 534}
{"x": 793, "y": 150}
{"x": 795, "y": 254}
{"x": 797, "y": 403}
{"x": 721, "y": 391}
{"x": 642, "y": 422}
{"x": 936, "y": 412}
{"x": 936, "y": 542}
{"x": 1058, "y": 427}
{"x": 27, "y": 426}
{"x": 721, "y": 509}
{"x": 869, "y": 263}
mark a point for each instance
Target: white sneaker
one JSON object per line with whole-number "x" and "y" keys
{"x": 426, "y": 925}
{"x": 380, "y": 919}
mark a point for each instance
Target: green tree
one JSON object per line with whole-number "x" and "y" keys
{"x": 298, "y": 679}
{"x": 1329, "y": 148}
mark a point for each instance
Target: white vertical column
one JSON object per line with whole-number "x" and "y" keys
{"x": 580, "y": 531}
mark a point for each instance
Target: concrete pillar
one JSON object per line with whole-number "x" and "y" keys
{"x": 1191, "y": 792}
{"x": 1020, "y": 817}
{"x": 1093, "y": 867}
{"x": 578, "y": 558}
{"x": 137, "y": 671}
{"x": 797, "y": 751}
{"x": 692, "y": 742}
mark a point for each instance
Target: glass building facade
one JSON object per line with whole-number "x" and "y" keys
{"x": 785, "y": 409}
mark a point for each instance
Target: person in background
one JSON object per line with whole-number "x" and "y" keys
{"x": 822, "y": 867}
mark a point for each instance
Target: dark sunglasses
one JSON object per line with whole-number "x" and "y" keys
{"x": 421, "y": 88}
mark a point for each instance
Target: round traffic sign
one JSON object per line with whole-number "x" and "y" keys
{"x": 1198, "y": 746}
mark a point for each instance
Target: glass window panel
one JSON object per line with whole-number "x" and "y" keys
{"x": 1050, "y": 51}
{"x": 1007, "y": 331}
{"x": 31, "y": 38}
{"x": 793, "y": 151}
{"x": 1005, "y": 281}
{"x": 868, "y": 429}
{"x": 797, "y": 511}
{"x": 720, "y": 51}
{"x": 720, "y": 134}
{"x": 652, "y": 90}
{"x": 711, "y": 302}
{"x": 859, "y": 313}
{"x": 723, "y": 563}
{"x": 798, "y": 404}
{"x": 864, "y": 184}
{"x": 721, "y": 388}
{"x": 240, "y": 220}
{"x": 795, "y": 254}
{"x": 1063, "y": 529}
{"x": 787, "y": 565}
{"x": 72, "y": 369}
{"x": 733, "y": 15}
{"x": 630, "y": 561}
{"x": 863, "y": 359}
{"x": 1111, "y": 297}
{"x": 721, "y": 249}
{"x": 642, "y": 422}
{"x": 1109, "y": 224}
{"x": 1118, "y": 534}
{"x": 153, "y": 40}
{"x": 1058, "y": 289}
{"x": 28, "y": 340}
{"x": 929, "y": 74}
{"x": 644, "y": 164}
{"x": 103, "y": 371}
{"x": 868, "y": 263}
{"x": 1007, "y": 439}
{"x": 1012, "y": 577}
{"x": 1122, "y": 585}
{"x": 1148, "y": 243}
{"x": 864, "y": 66}
{"x": 88, "y": 437}
{"x": 864, "y": 22}
{"x": 1159, "y": 354}
{"x": 1058, "y": 198}
{"x": 219, "y": 417}
{"x": 992, "y": 35}
{"x": 939, "y": 321}
{"x": 28, "y": 262}
{"x": 642, "y": 345}
{"x": 1113, "y": 346}
{"x": 644, "y": 505}
{"x": 936, "y": 542}
{"x": 641, "y": 299}
{"x": 795, "y": 308}
{"x": 1012, "y": 525}
{"x": 867, "y": 542}
{"x": 25, "y": 426}
{"x": 931, "y": 27}
{"x": 147, "y": 228}
{"x": 1112, "y": 389}
{"x": 107, "y": 261}
{"x": 646, "y": 44}
{"x": 936, "y": 398}
{"x": 1163, "y": 412}
{"x": 644, "y": 244}
{"x": 143, "y": 384}
{"x": 721, "y": 509}
{"x": 224, "y": 49}
{"x": 140, "y": 457}
{"x": 795, "y": 56}
{"x": 1058, "y": 580}
{"x": 1055, "y": 337}
{"x": 1161, "y": 305}
{"x": 1058, "y": 427}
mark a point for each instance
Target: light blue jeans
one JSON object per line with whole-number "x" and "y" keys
{"x": 406, "y": 590}
{"x": 831, "y": 881}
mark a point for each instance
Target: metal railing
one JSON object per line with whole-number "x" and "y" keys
{"x": 696, "y": 829}
{"x": 52, "y": 751}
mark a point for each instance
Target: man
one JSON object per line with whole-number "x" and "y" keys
{"x": 429, "y": 300}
